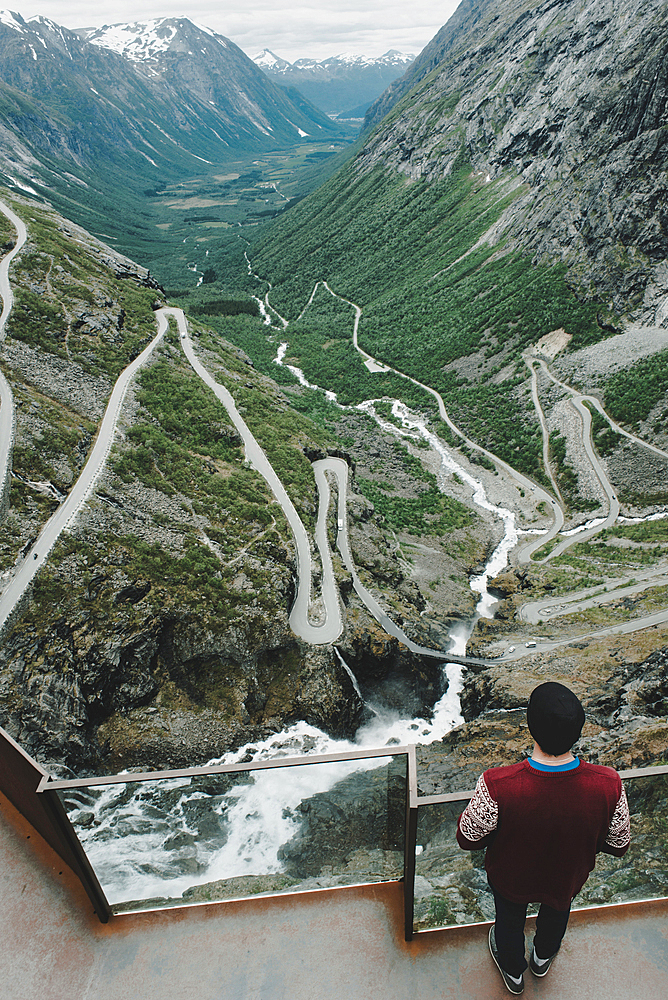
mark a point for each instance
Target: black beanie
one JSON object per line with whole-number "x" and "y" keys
{"x": 555, "y": 718}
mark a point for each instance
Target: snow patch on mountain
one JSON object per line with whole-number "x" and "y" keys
{"x": 268, "y": 60}
{"x": 28, "y": 25}
{"x": 12, "y": 20}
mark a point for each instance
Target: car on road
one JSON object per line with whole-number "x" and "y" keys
{"x": 511, "y": 649}
{"x": 530, "y": 645}
{"x": 340, "y": 523}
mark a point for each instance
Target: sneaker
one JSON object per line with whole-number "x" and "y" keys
{"x": 540, "y": 967}
{"x": 513, "y": 985}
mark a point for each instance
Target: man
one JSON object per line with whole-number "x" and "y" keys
{"x": 542, "y": 822}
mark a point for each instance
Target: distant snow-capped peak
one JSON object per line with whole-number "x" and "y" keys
{"x": 389, "y": 58}
{"x": 142, "y": 41}
{"x": 269, "y": 61}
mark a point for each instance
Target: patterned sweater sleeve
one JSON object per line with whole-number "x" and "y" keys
{"x": 478, "y": 823}
{"x": 618, "y": 837}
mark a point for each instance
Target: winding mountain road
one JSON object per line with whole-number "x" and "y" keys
{"x": 66, "y": 513}
{"x": 581, "y": 401}
{"x": 578, "y": 400}
{"x": 594, "y": 597}
{"x": 524, "y": 553}
{"x": 563, "y": 604}
{"x": 596, "y": 403}
{"x": 544, "y": 429}
{"x": 7, "y": 418}
{"x": 64, "y": 516}
{"x": 332, "y": 626}
{"x": 339, "y": 468}
{"x": 29, "y": 565}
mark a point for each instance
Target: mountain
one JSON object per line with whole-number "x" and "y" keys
{"x": 270, "y": 62}
{"x": 196, "y": 62}
{"x": 579, "y": 122}
{"x": 565, "y": 147}
{"x": 339, "y": 84}
{"x": 463, "y": 23}
{"x": 90, "y": 125}
{"x": 497, "y": 238}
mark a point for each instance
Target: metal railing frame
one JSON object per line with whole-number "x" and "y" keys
{"x": 416, "y": 801}
{"x": 34, "y": 792}
{"x": 20, "y": 778}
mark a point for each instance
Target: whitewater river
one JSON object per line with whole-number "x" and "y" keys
{"x": 125, "y": 828}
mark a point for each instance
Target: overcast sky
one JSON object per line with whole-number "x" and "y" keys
{"x": 302, "y": 28}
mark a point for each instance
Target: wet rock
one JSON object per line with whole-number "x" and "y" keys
{"x": 363, "y": 812}
{"x": 390, "y": 676}
{"x": 177, "y": 841}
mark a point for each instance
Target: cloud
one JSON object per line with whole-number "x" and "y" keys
{"x": 298, "y": 29}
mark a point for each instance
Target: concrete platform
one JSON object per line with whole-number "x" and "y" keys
{"x": 345, "y": 944}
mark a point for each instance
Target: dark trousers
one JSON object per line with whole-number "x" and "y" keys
{"x": 509, "y": 929}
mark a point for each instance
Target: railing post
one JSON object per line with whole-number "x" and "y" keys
{"x": 410, "y": 840}
{"x": 54, "y": 807}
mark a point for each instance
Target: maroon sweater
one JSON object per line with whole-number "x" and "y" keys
{"x": 543, "y": 830}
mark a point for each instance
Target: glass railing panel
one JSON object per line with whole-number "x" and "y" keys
{"x": 182, "y": 840}
{"x": 643, "y": 871}
{"x": 451, "y": 885}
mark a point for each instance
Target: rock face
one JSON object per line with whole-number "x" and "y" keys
{"x": 568, "y": 100}
{"x": 623, "y": 696}
{"x": 637, "y": 689}
{"x": 363, "y": 812}
{"x": 167, "y": 693}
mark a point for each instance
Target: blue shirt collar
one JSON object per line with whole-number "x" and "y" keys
{"x": 551, "y": 769}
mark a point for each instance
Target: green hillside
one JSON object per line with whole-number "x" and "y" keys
{"x": 432, "y": 291}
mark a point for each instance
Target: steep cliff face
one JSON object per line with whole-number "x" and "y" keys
{"x": 568, "y": 99}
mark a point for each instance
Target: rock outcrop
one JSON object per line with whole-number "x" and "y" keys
{"x": 167, "y": 693}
